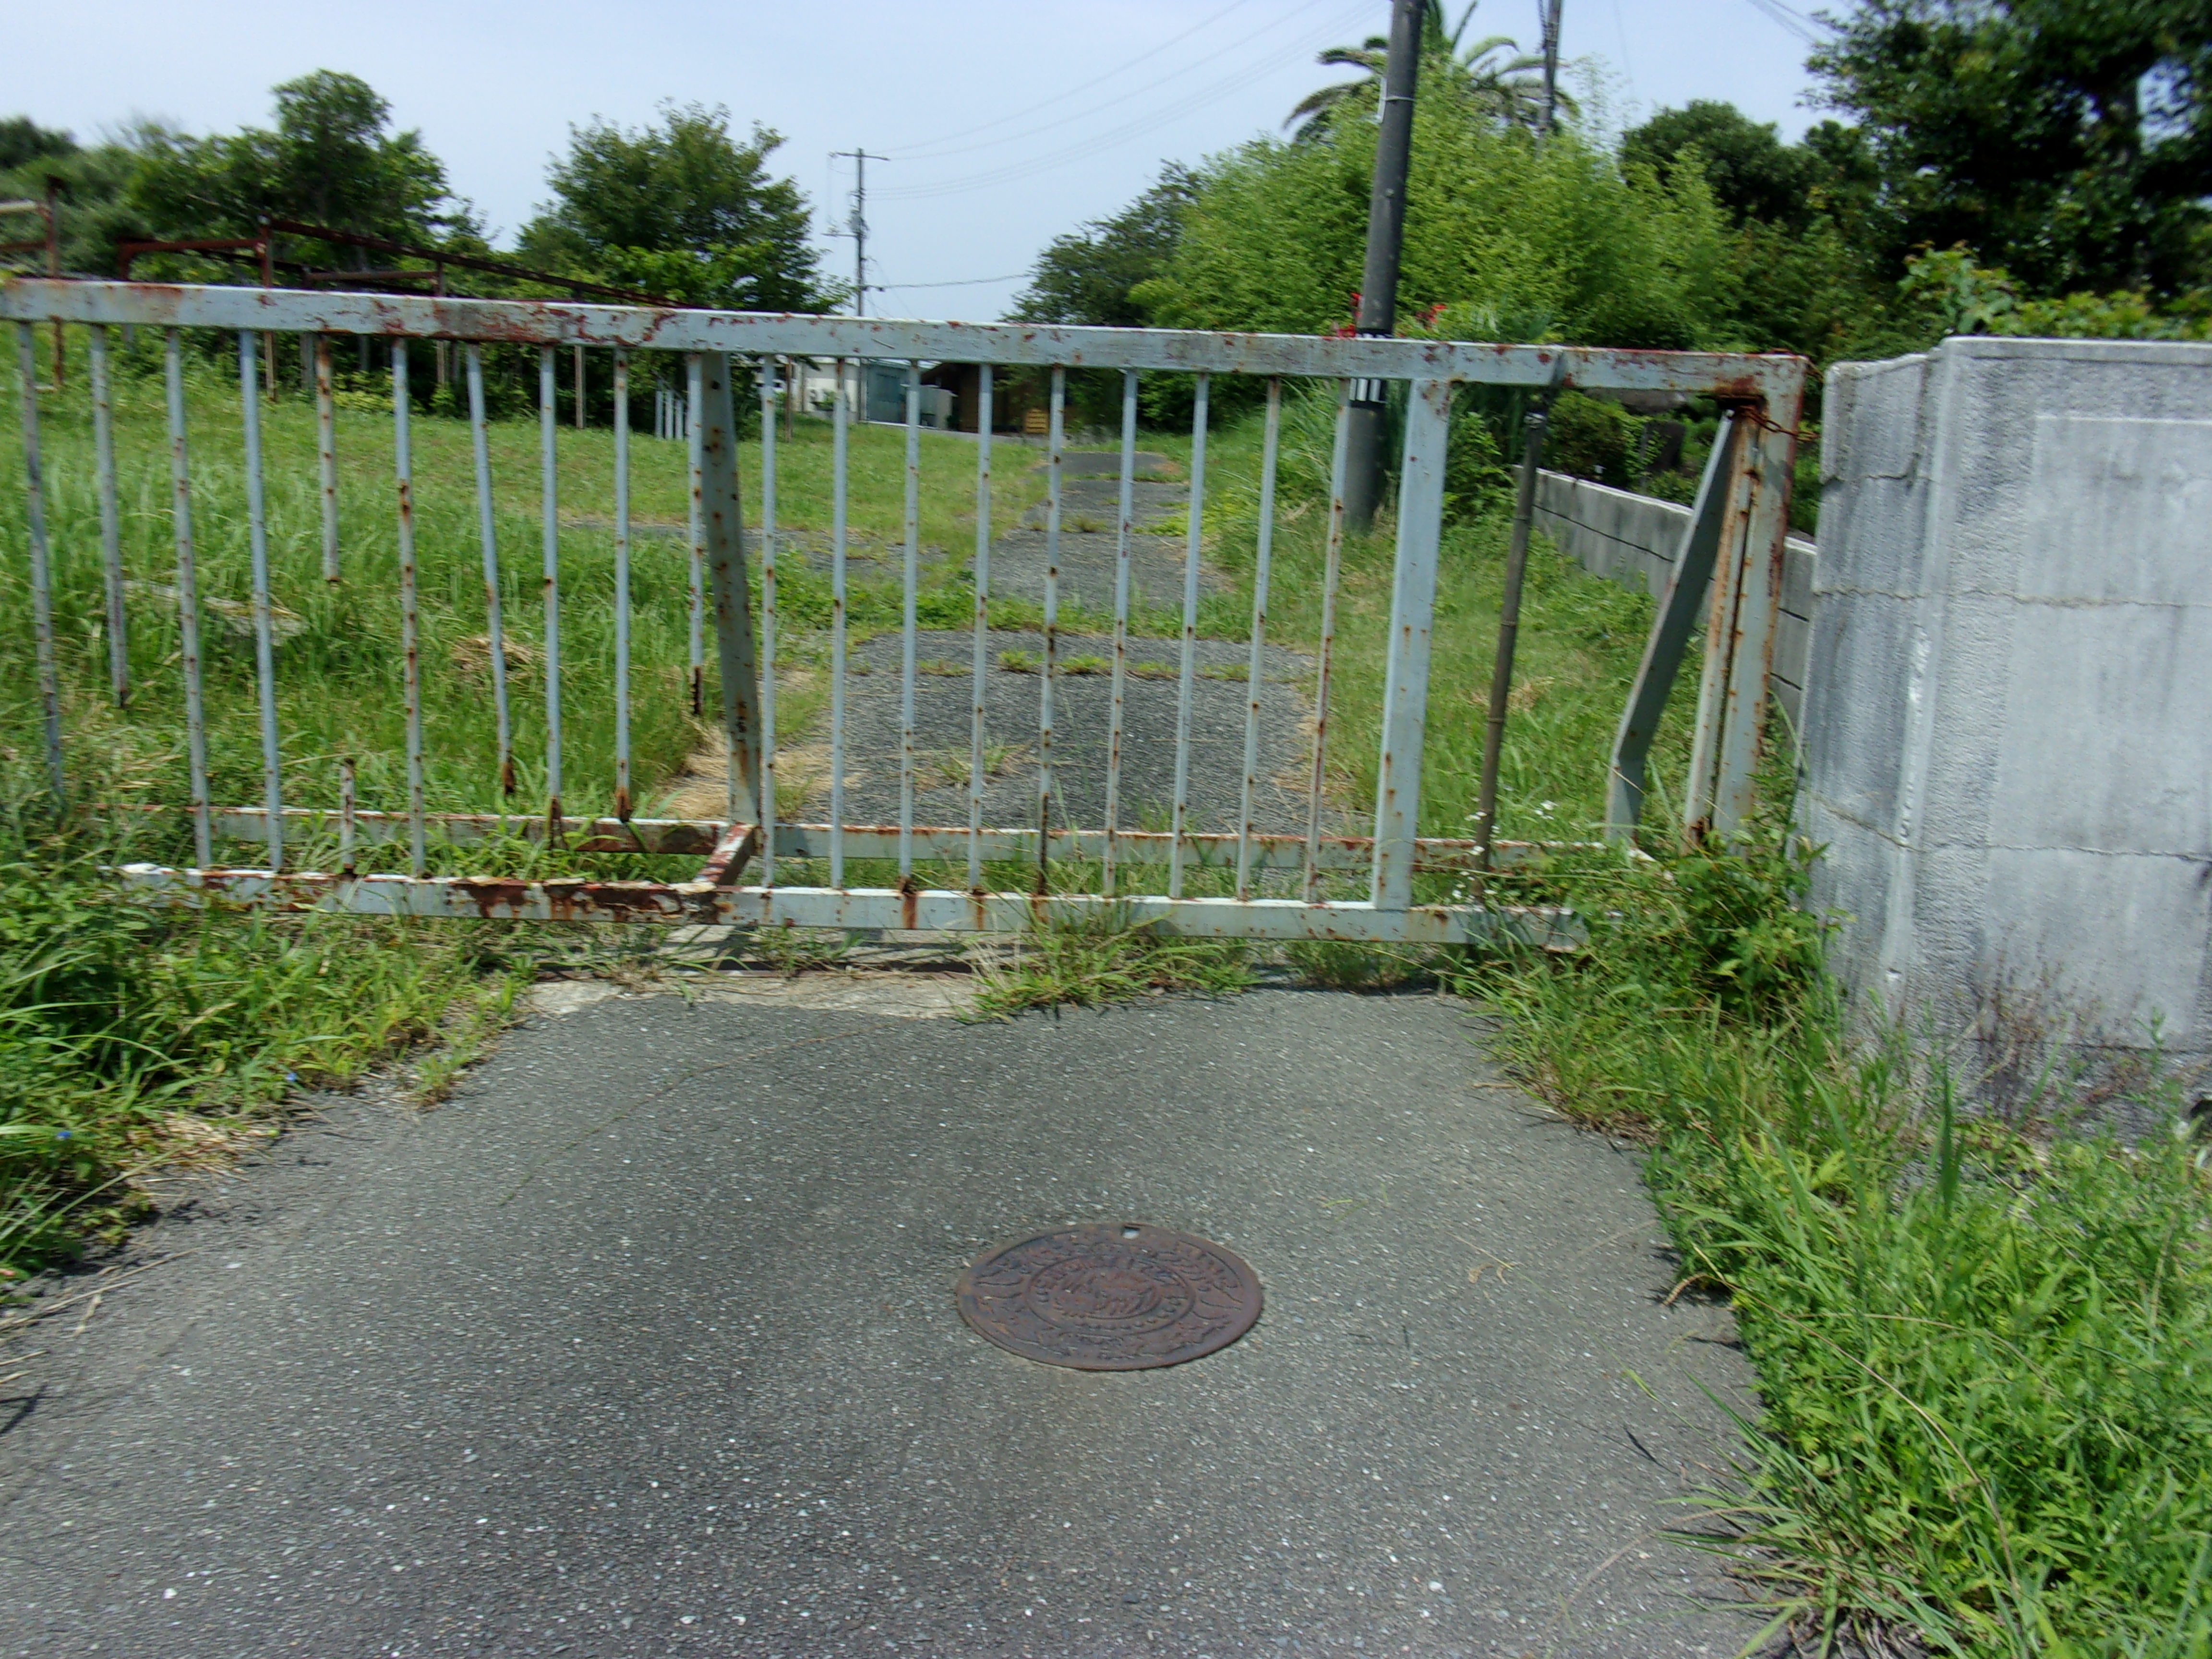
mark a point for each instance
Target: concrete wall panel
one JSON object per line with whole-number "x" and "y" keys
{"x": 2010, "y": 661}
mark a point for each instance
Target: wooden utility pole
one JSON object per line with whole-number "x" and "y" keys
{"x": 1367, "y": 417}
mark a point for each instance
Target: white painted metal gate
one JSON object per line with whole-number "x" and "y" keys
{"x": 1735, "y": 547}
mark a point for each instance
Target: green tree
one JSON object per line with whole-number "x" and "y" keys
{"x": 1753, "y": 174}
{"x": 331, "y": 159}
{"x": 1510, "y": 239}
{"x": 23, "y": 141}
{"x": 2069, "y": 141}
{"x": 1807, "y": 276}
{"x": 1087, "y": 275}
{"x": 1509, "y": 91}
{"x": 682, "y": 208}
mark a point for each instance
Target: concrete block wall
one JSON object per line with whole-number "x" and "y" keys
{"x": 1635, "y": 540}
{"x": 2008, "y": 750}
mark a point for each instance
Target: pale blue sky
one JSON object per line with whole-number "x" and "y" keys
{"x": 1010, "y": 120}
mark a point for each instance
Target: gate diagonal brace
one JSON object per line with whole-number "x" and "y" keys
{"x": 731, "y": 854}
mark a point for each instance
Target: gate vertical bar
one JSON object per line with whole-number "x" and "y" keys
{"x": 265, "y": 640}
{"x": 1509, "y": 636}
{"x": 188, "y": 603}
{"x": 840, "y": 419}
{"x": 411, "y": 619}
{"x": 111, "y": 532}
{"x": 1187, "y": 681}
{"x": 910, "y": 579}
{"x": 42, "y": 589}
{"x": 1124, "y": 524}
{"x": 495, "y": 621}
{"x": 622, "y": 585}
{"x": 548, "y": 509}
{"x": 765, "y": 372}
{"x": 1057, "y": 427}
{"x": 1676, "y": 621}
{"x": 1254, "y": 676}
{"x": 1413, "y": 605}
{"x": 734, "y": 652}
{"x": 694, "y": 372}
{"x": 347, "y": 792}
{"x": 980, "y": 669}
{"x": 1331, "y": 571}
{"x": 326, "y": 455}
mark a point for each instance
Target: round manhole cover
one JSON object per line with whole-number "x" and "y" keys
{"x": 1111, "y": 1296}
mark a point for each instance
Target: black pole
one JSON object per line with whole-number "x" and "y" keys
{"x": 1550, "y": 19}
{"x": 1386, "y": 238}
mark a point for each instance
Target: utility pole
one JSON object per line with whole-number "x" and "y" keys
{"x": 1367, "y": 417}
{"x": 857, "y": 226}
{"x": 1547, "y": 12}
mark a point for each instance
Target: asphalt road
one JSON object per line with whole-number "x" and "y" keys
{"x": 645, "y": 1344}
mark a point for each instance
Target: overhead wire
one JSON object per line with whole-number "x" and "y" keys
{"x": 964, "y": 281}
{"x": 1074, "y": 91}
{"x": 1154, "y": 85}
{"x": 1034, "y": 164}
{"x": 1791, "y": 18}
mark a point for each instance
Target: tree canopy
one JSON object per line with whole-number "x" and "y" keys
{"x": 1508, "y": 89}
{"x": 682, "y": 208}
{"x": 1089, "y": 275}
{"x": 2069, "y": 140}
{"x": 23, "y": 141}
{"x": 331, "y": 159}
{"x": 1515, "y": 239}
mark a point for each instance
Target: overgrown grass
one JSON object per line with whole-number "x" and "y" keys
{"x": 1984, "y": 1357}
{"x": 133, "y": 1035}
{"x": 1107, "y": 959}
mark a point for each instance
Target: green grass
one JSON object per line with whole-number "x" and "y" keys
{"x": 1984, "y": 1355}
{"x": 1104, "y": 960}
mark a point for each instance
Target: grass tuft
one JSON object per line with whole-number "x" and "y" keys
{"x": 1105, "y": 959}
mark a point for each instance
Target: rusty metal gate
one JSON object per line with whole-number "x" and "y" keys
{"x": 1266, "y": 883}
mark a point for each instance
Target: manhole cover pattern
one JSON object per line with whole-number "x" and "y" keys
{"x": 1111, "y": 1296}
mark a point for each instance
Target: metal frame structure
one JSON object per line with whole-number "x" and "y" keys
{"x": 1735, "y": 546}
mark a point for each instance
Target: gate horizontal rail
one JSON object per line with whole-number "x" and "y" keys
{"x": 1734, "y": 545}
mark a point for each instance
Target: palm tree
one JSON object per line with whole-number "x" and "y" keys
{"x": 1319, "y": 109}
{"x": 1510, "y": 93}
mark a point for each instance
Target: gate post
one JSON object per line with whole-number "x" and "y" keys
{"x": 1739, "y": 630}
{"x": 723, "y": 518}
{"x": 1412, "y": 606}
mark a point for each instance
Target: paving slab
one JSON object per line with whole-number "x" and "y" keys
{"x": 645, "y": 1344}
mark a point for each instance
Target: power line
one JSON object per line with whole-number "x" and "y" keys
{"x": 1791, "y": 18}
{"x": 1074, "y": 91}
{"x": 965, "y": 282}
{"x": 1195, "y": 64}
{"x": 1023, "y": 169}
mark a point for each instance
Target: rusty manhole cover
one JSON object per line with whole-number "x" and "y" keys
{"x": 1111, "y": 1296}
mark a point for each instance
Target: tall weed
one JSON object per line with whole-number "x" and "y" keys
{"x": 1984, "y": 1357}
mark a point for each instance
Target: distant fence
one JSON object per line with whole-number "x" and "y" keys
{"x": 1635, "y": 540}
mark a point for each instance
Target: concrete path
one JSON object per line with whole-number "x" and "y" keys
{"x": 645, "y": 1344}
